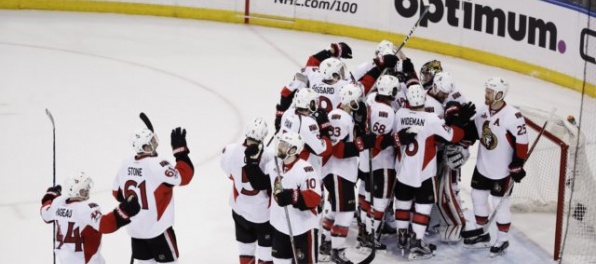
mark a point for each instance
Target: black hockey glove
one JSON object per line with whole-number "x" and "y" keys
{"x": 466, "y": 112}
{"x": 178, "y": 141}
{"x": 516, "y": 169}
{"x": 386, "y": 61}
{"x": 323, "y": 122}
{"x": 252, "y": 153}
{"x": 406, "y": 136}
{"x": 408, "y": 66}
{"x": 286, "y": 197}
{"x": 341, "y": 49}
{"x": 366, "y": 141}
{"x": 279, "y": 112}
{"x": 52, "y": 193}
{"x": 127, "y": 209}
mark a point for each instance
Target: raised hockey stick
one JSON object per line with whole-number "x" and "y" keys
{"x": 146, "y": 120}
{"x": 484, "y": 229}
{"x": 51, "y": 117}
{"x": 278, "y": 180}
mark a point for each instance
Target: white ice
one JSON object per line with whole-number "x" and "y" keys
{"x": 96, "y": 72}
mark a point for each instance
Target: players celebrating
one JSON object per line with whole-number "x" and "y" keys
{"x": 152, "y": 179}
{"x": 79, "y": 222}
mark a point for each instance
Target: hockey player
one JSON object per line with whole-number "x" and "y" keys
{"x": 152, "y": 179}
{"x": 313, "y": 130}
{"x": 379, "y": 141}
{"x": 428, "y": 71}
{"x": 503, "y": 149}
{"x": 340, "y": 177}
{"x": 417, "y": 168}
{"x": 250, "y": 207}
{"x": 79, "y": 222}
{"x": 296, "y": 193}
{"x": 449, "y": 219}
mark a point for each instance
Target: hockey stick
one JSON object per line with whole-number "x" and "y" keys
{"x": 403, "y": 43}
{"x": 278, "y": 180}
{"x": 53, "y": 174}
{"x": 484, "y": 228}
{"x": 145, "y": 119}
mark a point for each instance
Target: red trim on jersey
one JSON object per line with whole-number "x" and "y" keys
{"x": 311, "y": 198}
{"x": 521, "y": 150}
{"x": 458, "y": 134}
{"x": 107, "y": 223}
{"x": 367, "y": 82}
{"x": 313, "y": 62}
{"x": 510, "y": 139}
{"x": 115, "y": 193}
{"x": 234, "y": 191}
{"x": 91, "y": 241}
{"x": 163, "y": 195}
{"x": 430, "y": 151}
{"x": 338, "y": 150}
{"x": 339, "y": 231}
{"x": 286, "y": 92}
{"x": 328, "y": 147}
{"x": 186, "y": 172}
{"x": 303, "y": 155}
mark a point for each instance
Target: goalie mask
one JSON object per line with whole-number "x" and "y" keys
{"x": 306, "y": 98}
{"x": 332, "y": 69}
{"x": 388, "y": 85}
{"x": 78, "y": 186}
{"x": 416, "y": 96}
{"x": 497, "y": 85}
{"x": 350, "y": 95}
{"x": 386, "y": 47}
{"x": 257, "y": 129}
{"x": 428, "y": 71}
{"x": 289, "y": 144}
{"x": 144, "y": 137}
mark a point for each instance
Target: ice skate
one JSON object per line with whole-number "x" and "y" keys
{"x": 481, "y": 241}
{"x": 498, "y": 249}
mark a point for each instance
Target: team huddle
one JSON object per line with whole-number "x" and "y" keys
{"x": 397, "y": 137}
{"x": 143, "y": 185}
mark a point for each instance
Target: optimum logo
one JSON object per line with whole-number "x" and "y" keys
{"x": 493, "y": 21}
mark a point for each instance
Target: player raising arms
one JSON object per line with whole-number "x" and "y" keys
{"x": 502, "y": 152}
{"x": 296, "y": 191}
{"x": 250, "y": 207}
{"x": 79, "y": 222}
{"x": 152, "y": 179}
{"x": 417, "y": 168}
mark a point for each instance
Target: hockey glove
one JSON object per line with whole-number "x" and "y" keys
{"x": 323, "y": 122}
{"x": 127, "y": 209}
{"x": 386, "y": 61}
{"x": 406, "y": 136}
{"x": 252, "y": 153}
{"x": 408, "y": 66}
{"x": 456, "y": 156}
{"x": 178, "y": 141}
{"x": 516, "y": 169}
{"x": 341, "y": 49}
{"x": 466, "y": 112}
{"x": 278, "y": 114}
{"x": 286, "y": 197}
{"x": 51, "y": 194}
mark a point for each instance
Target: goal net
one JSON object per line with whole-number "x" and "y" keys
{"x": 560, "y": 180}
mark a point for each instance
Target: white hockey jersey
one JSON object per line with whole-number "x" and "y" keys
{"x": 343, "y": 131}
{"x": 251, "y": 204}
{"x": 382, "y": 118}
{"x": 420, "y": 160}
{"x": 299, "y": 175}
{"x": 152, "y": 179}
{"x": 308, "y": 129}
{"x": 78, "y": 239}
{"x": 500, "y": 133}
